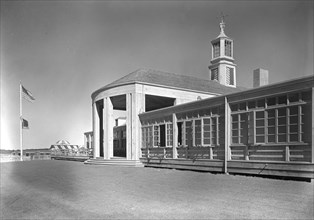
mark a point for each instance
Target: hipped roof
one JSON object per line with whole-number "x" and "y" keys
{"x": 173, "y": 80}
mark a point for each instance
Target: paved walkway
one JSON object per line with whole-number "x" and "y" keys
{"x": 72, "y": 190}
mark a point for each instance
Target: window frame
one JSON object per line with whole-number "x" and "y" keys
{"x": 285, "y": 128}
{"x": 213, "y": 133}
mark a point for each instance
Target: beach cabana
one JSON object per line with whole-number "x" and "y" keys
{"x": 63, "y": 147}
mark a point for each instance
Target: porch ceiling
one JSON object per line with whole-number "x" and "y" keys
{"x": 157, "y": 102}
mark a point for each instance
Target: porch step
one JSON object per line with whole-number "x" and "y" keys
{"x": 114, "y": 162}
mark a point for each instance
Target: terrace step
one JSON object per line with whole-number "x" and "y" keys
{"x": 114, "y": 162}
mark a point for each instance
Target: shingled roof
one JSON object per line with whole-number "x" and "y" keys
{"x": 159, "y": 78}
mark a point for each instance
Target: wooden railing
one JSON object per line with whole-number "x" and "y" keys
{"x": 277, "y": 152}
{"x": 200, "y": 152}
{"x": 184, "y": 152}
{"x": 298, "y": 152}
{"x": 157, "y": 152}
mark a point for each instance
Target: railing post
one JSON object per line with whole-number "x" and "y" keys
{"x": 246, "y": 153}
{"x": 186, "y": 153}
{"x": 210, "y": 153}
{"x": 287, "y": 154}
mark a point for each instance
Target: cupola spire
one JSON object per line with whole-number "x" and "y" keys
{"x": 222, "y": 26}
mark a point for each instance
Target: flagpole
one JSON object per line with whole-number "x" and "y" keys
{"x": 21, "y": 125}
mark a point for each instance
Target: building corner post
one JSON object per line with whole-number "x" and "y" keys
{"x": 175, "y": 136}
{"x": 21, "y": 125}
{"x": 312, "y": 141}
{"x": 227, "y": 135}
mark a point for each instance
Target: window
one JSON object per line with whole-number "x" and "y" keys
{"x": 230, "y": 76}
{"x": 228, "y": 48}
{"x": 271, "y": 125}
{"x": 282, "y": 124}
{"x": 239, "y": 128}
{"x": 206, "y": 131}
{"x": 180, "y": 133}
{"x": 189, "y": 133}
{"x": 156, "y": 136}
{"x": 199, "y": 132}
{"x": 169, "y": 134}
{"x": 214, "y": 74}
{"x": 260, "y": 127}
{"x": 270, "y": 120}
{"x": 214, "y": 131}
{"x": 147, "y": 137}
{"x": 216, "y": 49}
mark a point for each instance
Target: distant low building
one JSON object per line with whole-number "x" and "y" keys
{"x": 88, "y": 140}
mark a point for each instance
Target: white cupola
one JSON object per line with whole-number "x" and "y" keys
{"x": 222, "y": 67}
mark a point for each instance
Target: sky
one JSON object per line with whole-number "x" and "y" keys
{"x": 62, "y": 51}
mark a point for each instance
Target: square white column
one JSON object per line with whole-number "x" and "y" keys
{"x": 128, "y": 126}
{"x": 95, "y": 131}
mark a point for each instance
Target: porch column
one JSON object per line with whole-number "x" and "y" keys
{"x": 95, "y": 131}
{"x": 138, "y": 105}
{"x": 90, "y": 140}
{"x": 108, "y": 128}
{"x": 128, "y": 126}
{"x": 86, "y": 140}
{"x": 174, "y": 136}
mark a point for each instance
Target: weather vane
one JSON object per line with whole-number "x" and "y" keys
{"x": 222, "y": 17}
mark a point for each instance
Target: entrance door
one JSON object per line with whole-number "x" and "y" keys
{"x": 162, "y": 135}
{"x": 119, "y": 142}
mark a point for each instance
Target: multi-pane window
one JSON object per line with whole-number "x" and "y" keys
{"x": 259, "y": 126}
{"x": 271, "y": 125}
{"x": 228, "y": 48}
{"x": 199, "y": 132}
{"x": 214, "y": 130}
{"x": 214, "y": 74}
{"x": 295, "y": 124}
{"x": 239, "y": 128}
{"x": 282, "y": 124}
{"x": 156, "y": 136}
{"x": 169, "y": 134}
{"x": 230, "y": 76}
{"x": 206, "y": 131}
{"x": 159, "y": 135}
{"x": 147, "y": 136}
{"x": 270, "y": 120}
{"x": 189, "y": 133}
{"x": 216, "y": 49}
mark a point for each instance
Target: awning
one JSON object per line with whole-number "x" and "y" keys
{"x": 64, "y": 147}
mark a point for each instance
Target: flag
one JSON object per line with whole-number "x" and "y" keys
{"x": 27, "y": 95}
{"x": 24, "y": 124}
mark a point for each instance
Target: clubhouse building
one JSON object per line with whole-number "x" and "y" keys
{"x": 160, "y": 119}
